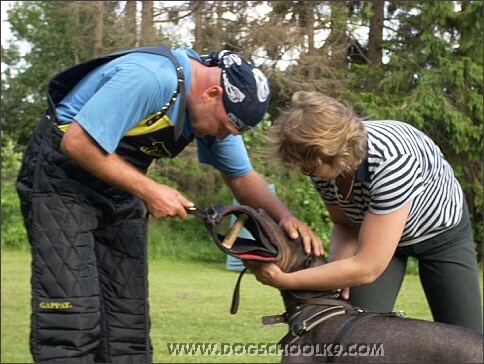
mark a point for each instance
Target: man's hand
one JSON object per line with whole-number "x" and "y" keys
{"x": 252, "y": 190}
{"x": 296, "y": 228}
{"x": 164, "y": 201}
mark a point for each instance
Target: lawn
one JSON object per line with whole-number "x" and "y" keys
{"x": 189, "y": 303}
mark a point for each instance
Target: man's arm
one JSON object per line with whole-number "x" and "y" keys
{"x": 160, "y": 200}
{"x": 252, "y": 190}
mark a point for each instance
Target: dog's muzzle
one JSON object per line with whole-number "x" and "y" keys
{"x": 269, "y": 243}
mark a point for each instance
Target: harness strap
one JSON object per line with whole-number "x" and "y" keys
{"x": 345, "y": 329}
{"x": 296, "y": 331}
{"x": 291, "y": 312}
{"x": 183, "y": 101}
{"x": 299, "y": 329}
{"x": 321, "y": 301}
{"x": 236, "y": 295}
{"x": 274, "y": 319}
{"x": 339, "y": 338}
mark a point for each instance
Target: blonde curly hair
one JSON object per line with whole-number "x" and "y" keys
{"x": 317, "y": 129}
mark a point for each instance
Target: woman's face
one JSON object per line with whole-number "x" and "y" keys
{"x": 323, "y": 171}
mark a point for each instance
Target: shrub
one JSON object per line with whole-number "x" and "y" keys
{"x": 13, "y": 230}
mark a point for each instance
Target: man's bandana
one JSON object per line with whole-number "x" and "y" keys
{"x": 246, "y": 90}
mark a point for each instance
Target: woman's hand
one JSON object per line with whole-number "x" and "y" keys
{"x": 345, "y": 293}
{"x": 267, "y": 273}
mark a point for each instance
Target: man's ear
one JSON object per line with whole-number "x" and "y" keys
{"x": 213, "y": 93}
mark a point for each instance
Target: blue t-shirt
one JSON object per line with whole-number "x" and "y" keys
{"x": 116, "y": 96}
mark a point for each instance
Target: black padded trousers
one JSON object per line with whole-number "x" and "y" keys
{"x": 89, "y": 264}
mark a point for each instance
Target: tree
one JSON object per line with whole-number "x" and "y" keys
{"x": 130, "y": 28}
{"x": 147, "y": 24}
{"x": 98, "y": 29}
{"x": 375, "y": 37}
{"x": 433, "y": 80}
{"x": 420, "y": 62}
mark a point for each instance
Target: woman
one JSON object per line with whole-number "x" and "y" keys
{"x": 390, "y": 194}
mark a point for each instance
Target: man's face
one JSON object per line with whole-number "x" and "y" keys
{"x": 208, "y": 117}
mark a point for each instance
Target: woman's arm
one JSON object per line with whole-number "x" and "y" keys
{"x": 378, "y": 238}
{"x": 344, "y": 234}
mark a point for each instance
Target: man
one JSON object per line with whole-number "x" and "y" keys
{"x": 85, "y": 195}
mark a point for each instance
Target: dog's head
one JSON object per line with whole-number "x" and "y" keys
{"x": 265, "y": 242}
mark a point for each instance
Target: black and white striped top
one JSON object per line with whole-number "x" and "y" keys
{"x": 402, "y": 164}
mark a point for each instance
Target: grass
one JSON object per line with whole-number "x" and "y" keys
{"x": 189, "y": 303}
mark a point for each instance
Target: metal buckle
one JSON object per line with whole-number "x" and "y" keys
{"x": 181, "y": 76}
{"x": 299, "y": 329}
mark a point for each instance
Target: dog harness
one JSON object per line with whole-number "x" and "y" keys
{"x": 271, "y": 244}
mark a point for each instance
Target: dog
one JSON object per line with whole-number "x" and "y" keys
{"x": 323, "y": 327}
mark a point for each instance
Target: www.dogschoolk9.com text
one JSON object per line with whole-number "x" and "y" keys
{"x": 274, "y": 349}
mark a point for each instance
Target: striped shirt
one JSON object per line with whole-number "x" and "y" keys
{"x": 402, "y": 164}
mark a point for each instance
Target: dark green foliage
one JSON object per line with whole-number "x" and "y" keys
{"x": 431, "y": 77}
{"x": 435, "y": 86}
{"x": 37, "y": 24}
{"x": 13, "y": 230}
